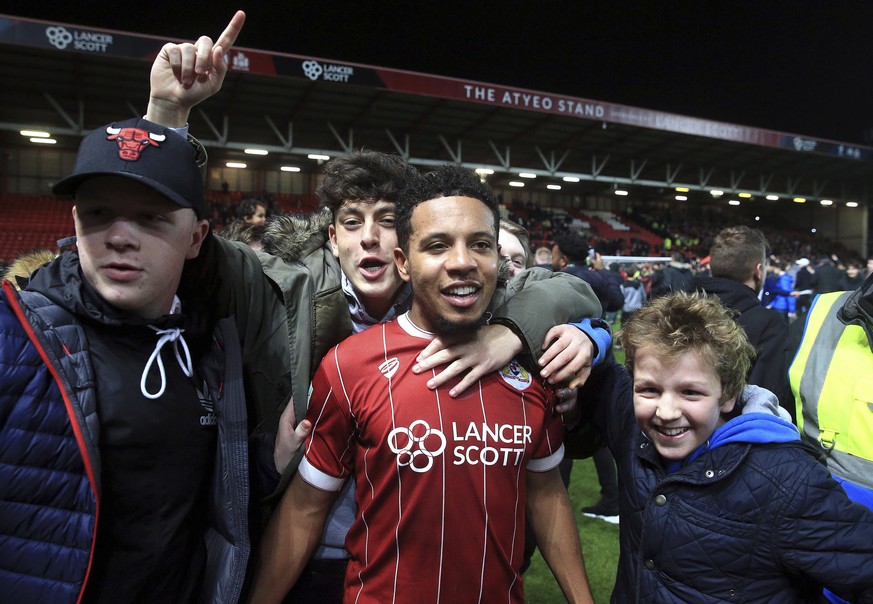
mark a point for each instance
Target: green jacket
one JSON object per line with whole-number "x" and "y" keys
{"x": 227, "y": 280}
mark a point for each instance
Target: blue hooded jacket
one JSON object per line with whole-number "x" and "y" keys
{"x": 750, "y": 427}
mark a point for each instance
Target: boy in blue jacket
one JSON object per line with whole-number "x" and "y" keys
{"x": 719, "y": 498}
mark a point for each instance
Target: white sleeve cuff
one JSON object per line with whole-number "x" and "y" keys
{"x": 543, "y": 464}
{"x": 319, "y": 479}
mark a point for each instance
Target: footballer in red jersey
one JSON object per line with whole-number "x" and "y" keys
{"x": 441, "y": 480}
{"x": 442, "y": 483}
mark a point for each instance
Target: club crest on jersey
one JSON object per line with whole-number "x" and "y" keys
{"x": 389, "y": 367}
{"x": 516, "y": 376}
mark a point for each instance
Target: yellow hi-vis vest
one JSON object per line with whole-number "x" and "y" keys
{"x": 832, "y": 383}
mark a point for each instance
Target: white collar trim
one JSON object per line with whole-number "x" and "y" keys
{"x": 412, "y": 329}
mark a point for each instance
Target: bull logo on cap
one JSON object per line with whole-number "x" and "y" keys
{"x": 133, "y": 141}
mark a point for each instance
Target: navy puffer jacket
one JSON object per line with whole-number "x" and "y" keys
{"x": 50, "y": 472}
{"x": 41, "y": 451}
{"x": 741, "y": 523}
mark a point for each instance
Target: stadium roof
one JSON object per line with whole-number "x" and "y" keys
{"x": 68, "y": 79}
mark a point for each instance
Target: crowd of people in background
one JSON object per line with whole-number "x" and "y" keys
{"x": 222, "y": 210}
{"x": 789, "y": 285}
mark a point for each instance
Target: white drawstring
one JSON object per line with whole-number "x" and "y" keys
{"x": 167, "y": 335}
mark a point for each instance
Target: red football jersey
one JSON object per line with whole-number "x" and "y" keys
{"x": 440, "y": 481}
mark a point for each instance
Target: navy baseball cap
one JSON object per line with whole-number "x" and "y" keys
{"x": 145, "y": 152}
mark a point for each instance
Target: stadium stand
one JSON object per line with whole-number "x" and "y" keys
{"x": 30, "y": 222}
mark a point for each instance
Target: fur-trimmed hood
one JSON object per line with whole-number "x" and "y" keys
{"x": 22, "y": 267}
{"x": 292, "y": 237}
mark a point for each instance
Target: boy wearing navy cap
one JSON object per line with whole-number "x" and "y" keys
{"x": 122, "y": 414}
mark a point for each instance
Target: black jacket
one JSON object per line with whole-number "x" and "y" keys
{"x": 607, "y": 289}
{"x": 767, "y": 332}
{"x": 675, "y": 277}
{"x": 826, "y": 278}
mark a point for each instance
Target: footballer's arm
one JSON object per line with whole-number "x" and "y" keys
{"x": 290, "y": 540}
{"x": 551, "y": 516}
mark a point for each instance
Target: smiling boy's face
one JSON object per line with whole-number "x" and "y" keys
{"x": 677, "y": 403}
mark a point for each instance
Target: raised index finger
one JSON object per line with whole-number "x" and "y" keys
{"x": 228, "y": 37}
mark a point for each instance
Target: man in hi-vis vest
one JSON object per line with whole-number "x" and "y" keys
{"x": 832, "y": 382}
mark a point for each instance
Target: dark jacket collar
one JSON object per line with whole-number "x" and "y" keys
{"x": 732, "y": 294}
